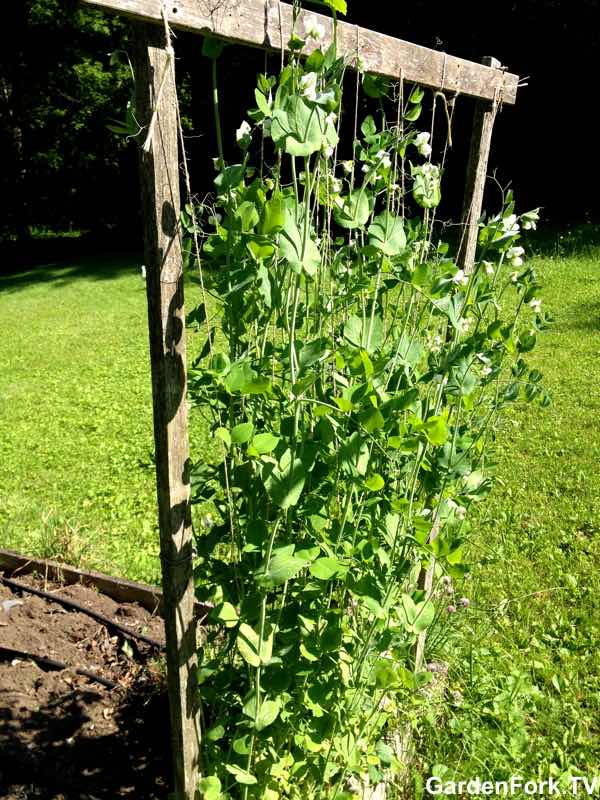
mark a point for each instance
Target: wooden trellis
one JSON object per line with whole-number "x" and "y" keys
{"x": 266, "y": 24}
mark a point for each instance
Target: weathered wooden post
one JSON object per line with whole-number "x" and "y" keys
{"x": 157, "y": 111}
{"x": 481, "y": 141}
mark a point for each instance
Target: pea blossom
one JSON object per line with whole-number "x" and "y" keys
{"x": 510, "y": 226}
{"x": 313, "y": 28}
{"x": 347, "y": 166}
{"x": 489, "y": 267}
{"x": 243, "y": 134}
{"x": 422, "y": 144}
{"x": 530, "y": 219}
{"x": 514, "y": 255}
{"x": 384, "y": 159}
{"x": 460, "y": 277}
{"x": 308, "y": 86}
{"x": 514, "y": 276}
{"x": 536, "y": 305}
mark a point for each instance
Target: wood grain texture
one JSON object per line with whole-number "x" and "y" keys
{"x": 257, "y": 23}
{"x": 481, "y": 142}
{"x": 159, "y": 170}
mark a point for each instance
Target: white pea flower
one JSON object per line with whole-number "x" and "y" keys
{"x": 514, "y": 255}
{"x": 331, "y": 118}
{"x": 486, "y": 370}
{"x": 313, "y": 28}
{"x": 460, "y": 278}
{"x": 514, "y": 276}
{"x": 308, "y": 86}
{"x": 243, "y": 134}
{"x": 384, "y": 159}
{"x": 143, "y": 272}
{"x": 336, "y": 186}
{"x": 436, "y": 344}
{"x": 422, "y": 143}
{"x": 328, "y": 152}
{"x": 530, "y": 219}
{"x": 347, "y": 166}
{"x": 464, "y": 325}
{"x": 510, "y": 226}
{"x": 536, "y": 305}
{"x": 365, "y": 168}
{"x": 489, "y": 267}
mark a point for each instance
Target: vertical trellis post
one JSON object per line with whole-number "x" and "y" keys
{"x": 481, "y": 141}
{"x": 159, "y": 170}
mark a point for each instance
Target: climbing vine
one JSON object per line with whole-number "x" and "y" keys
{"x": 352, "y": 375}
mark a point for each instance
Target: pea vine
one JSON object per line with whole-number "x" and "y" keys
{"x": 352, "y": 376}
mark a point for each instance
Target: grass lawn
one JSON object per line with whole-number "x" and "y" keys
{"x": 77, "y": 483}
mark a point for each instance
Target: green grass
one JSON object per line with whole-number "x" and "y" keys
{"x": 525, "y": 656}
{"x": 77, "y": 483}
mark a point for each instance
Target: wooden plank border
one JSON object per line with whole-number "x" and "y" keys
{"x": 268, "y": 24}
{"x": 119, "y": 589}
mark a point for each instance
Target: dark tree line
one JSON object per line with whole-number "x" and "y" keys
{"x": 63, "y": 169}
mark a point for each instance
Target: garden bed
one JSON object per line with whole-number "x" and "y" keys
{"x": 65, "y": 734}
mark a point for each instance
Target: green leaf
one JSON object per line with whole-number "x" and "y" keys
{"x": 242, "y": 433}
{"x": 224, "y": 435}
{"x": 366, "y": 336}
{"x": 436, "y": 430}
{"x": 248, "y": 642}
{"x": 281, "y": 568}
{"x": 267, "y": 714}
{"x": 300, "y": 254}
{"x": 284, "y": 481}
{"x": 375, "y": 482}
{"x": 340, "y": 6}
{"x": 210, "y": 788}
{"x": 301, "y": 129}
{"x": 386, "y": 234}
{"x": 229, "y": 178}
{"x": 326, "y": 568}
{"x": 265, "y": 443}
{"x": 242, "y": 378}
{"x": 384, "y": 752}
{"x": 273, "y": 218}
{"x": 241, "y": 775}
{"x": 226, "y": 614}
{"x": 215, "y": 733}
{"x": 211, "y": 47}
{"x": 354, "y": 210}
{"x": 385, "y": 674}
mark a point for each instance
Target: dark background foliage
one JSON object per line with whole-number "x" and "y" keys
{"x": 63, "y": 169}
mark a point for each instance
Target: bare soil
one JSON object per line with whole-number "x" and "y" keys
{"x": 64, "y": 736}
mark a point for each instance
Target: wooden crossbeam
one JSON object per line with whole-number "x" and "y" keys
{"x": 268, "y": 24}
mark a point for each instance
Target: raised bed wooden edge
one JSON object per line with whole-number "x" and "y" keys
{"x": 119, "y": 589}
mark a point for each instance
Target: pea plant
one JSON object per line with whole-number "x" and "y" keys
{"x": 352, "y": 376}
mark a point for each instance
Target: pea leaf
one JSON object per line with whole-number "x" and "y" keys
{"x": 284, "y": 481}
{"x": 325, "y": 568}
{"x": 354, "y": 210}
{"x": 301, "y": 129}
{"x": 226, "y": 614}
{"x": 265, "y": 442}
{"x": 243, "y": 379}
{"x": 301, "y": 255}
{"x": 250, "y": 648}
{"x": 436, "y": 430}
{"x": 281, "y": 568}
{"x": 267, "y": 714}
{"x": 242, "y": 433}
{"x": 210, "y": 788}
{"x": 386, "y": 234}
{"x": 241, "y": 775}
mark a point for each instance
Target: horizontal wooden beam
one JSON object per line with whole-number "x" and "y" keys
{"x": 268, "y": 24}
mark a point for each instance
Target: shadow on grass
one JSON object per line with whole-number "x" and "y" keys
{"x": 58, "y": 274}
